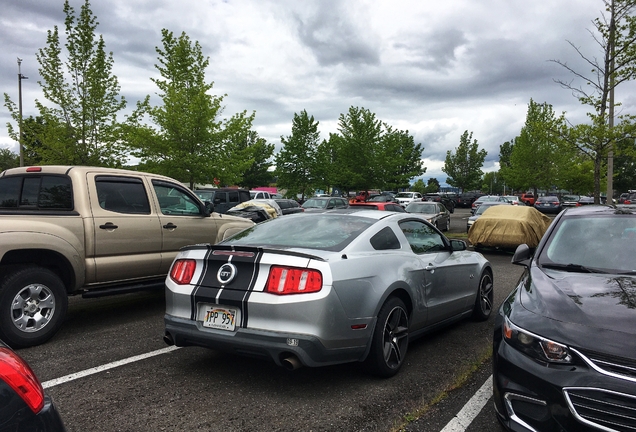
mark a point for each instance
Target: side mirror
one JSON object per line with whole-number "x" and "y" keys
{"x": 458, "y": 245}
{"x": 208, "y": 208}
{"x": 522, "y": 255}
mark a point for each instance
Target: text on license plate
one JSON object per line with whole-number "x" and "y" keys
{"x": 219, "y": 317}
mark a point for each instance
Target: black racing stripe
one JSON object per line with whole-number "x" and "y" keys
{"x": 194, "y": 296}
{"x": 246, "y": 295}
{"x": 234, "y": 293}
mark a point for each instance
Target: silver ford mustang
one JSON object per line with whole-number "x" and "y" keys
{"x": 327, "y": 288}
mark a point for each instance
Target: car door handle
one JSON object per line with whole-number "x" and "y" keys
{"x": 430, "y": 268}
{"x": 108, "y": 226}
{"x": 169, "y": 225}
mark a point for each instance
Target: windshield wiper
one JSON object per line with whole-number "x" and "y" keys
{"x": 573, "y": 268}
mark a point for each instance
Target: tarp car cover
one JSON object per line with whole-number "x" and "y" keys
{"x": 509, "y": 226}
{"x": 273, "y": 210}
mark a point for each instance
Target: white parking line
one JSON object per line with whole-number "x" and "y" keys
{"x": 472, "y": 408}
{"x": 87, "y": 372}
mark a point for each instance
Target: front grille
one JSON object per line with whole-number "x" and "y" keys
{"x": 611, "y": 364}
{"x": 607, "y": 410}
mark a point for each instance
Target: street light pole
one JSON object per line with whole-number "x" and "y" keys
{"x": 20, "y": 78}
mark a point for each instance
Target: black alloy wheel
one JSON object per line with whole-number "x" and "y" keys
{"x": 484, "y": 301}
{"x": 390, "y": 339}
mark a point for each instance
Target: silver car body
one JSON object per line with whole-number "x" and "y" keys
{"x": 335, "y": 324}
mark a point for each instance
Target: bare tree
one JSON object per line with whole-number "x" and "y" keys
{"x": 615, "y": 34}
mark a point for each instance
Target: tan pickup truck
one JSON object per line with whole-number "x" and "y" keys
{"x": 67, "y": 230}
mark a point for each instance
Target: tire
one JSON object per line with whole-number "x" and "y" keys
{"x": 33, "y": 303}
{"x": 390, "y": 340}
{"x": 484, "y": 300}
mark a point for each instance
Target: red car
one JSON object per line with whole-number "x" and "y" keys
{"x": 386, "y": 206}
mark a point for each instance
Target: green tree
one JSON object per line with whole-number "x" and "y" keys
{"x": 357, "y": 150}
{"x": 190, "y": 142}
{"x": 400, "y": 159}
{"x": 432, "y": 185}
{"x": 296, "y": 162}
{"x": 538, "y": 152}
{"x": 81, "y": 126}
{"x": 419, "y": 186}
{"x": 616, "y": 37}
{"x": 8, "y": 159}
{"x": 258, "y": 174}
{"x": 464, "y": 166}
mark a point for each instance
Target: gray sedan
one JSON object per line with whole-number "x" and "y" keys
{"x": 325, "y": 288}
{"x": 435, "y": 213}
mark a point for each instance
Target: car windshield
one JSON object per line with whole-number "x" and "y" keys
{"x": 404, "y": 195}
{"x": 313, "y": 231}
{"x": 421, "y": 208}
{"x": 315, "y": 203}
{"x": 571, "y": 197}
{"x": 605, "y": 244}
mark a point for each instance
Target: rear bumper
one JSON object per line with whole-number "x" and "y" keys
{"x": 271, "y": 345}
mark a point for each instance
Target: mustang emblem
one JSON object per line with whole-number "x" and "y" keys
{"x": 226, "y": 273}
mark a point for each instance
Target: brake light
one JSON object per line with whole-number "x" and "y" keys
{"x": 19, "y": 376}
{"x": 578, "y": 204}
{"x": 34, "y": 169}
{"x": 290, "y": 280}
{"x": 182, "y": 271}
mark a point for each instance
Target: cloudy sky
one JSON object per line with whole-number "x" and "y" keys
{"x": 433, "y": 68}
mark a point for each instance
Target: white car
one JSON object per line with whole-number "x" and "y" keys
{"x": 405, "y": 198}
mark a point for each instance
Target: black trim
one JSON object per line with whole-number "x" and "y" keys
{"x": 26, "y": 212}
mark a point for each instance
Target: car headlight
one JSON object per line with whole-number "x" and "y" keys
{"x": 535, "y": 346}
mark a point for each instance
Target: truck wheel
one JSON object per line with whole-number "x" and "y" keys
{"x": 33, "y": 303}
{"x": 390, "y": 340}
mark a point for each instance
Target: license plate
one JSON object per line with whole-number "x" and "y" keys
{"x": 219, "y": 317}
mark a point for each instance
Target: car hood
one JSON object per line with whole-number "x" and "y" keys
{"x": 584, "y": 300}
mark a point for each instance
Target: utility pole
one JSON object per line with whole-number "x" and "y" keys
{"x": 610, "y": 153}
{"x": 20, "y": 78}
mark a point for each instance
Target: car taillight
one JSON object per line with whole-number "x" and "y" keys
{"x": 578, "y": 204}
{"x": 290, "y": 280}
{"x": 182, "y": 271}
{"x": 19, "y": 376}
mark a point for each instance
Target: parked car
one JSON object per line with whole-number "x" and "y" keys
{"x": 528, "y": 198}
{"x": 508, "y": 226}
{"x": 405, "y": 198}
{"x": 623, "y": 197}
{"x": 257, "y": 194}
{"x": 570, "y": 200}
{"x": 25, "y": 406}
{"x": 223, "y": 199}
{"x": 548, "y": 204}
{"x": 320, "y": 204}
{"x": 382, "y": 198}
{"x": 513, "y": 199}
{"x": 448, "y": 202}
{"x": 433, "y": 212}
{"x": 480, "y": 210}
{"x": 564, "y": 344}
{"x": 467, "y": 199}
{"x": 289, "y": 206}
{"x": 342, "y": 286}
{"x": 483, "y": 199}
{"x": 386, "y": 206}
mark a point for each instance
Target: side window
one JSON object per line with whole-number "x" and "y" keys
{"x": 122, "y": 194}
{"x": 174, "y": 200}
{"x": 47, "y": 192}
{"x": 233, "y": 197}
{"x": 385, "y": 240}
{"x": 220, "y": 198}
{"x": 244, "y": 196}
{"x": 422, "y": 237}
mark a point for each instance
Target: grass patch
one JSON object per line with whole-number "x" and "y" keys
{"x": 459, "y": 382}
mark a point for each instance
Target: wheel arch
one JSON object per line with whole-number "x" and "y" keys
{"x": 46, "y": 258}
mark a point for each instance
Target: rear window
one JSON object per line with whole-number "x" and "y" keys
{"x": 314, "y": 231}
{"x": 36, "y": 192}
